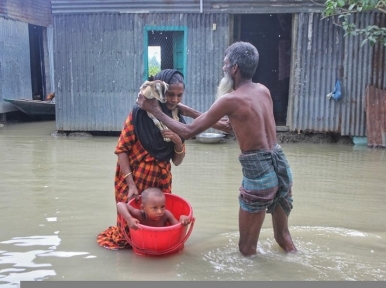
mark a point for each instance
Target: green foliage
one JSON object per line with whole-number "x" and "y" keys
{"x": 154, "y": 66}
{"x": 341, "y": 10}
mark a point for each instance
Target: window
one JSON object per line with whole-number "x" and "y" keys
{"x": 165, "y": 49}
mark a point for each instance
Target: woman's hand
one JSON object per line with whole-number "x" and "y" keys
{"x": 133, "y": 193}
{"x": 223, "y": 125}
{"x": 172, "y": 136}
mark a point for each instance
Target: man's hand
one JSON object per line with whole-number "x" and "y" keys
{"x": 150, "y": 105}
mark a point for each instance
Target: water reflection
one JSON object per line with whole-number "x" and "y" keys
{"x": 26, "y": 259}
{"x": 62, "y": 188}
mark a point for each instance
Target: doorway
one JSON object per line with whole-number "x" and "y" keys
{"x": 37, "y": 61}
{"x": 271, "y": 35}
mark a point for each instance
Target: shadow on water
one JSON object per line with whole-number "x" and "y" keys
{"x": 57, "y": 195}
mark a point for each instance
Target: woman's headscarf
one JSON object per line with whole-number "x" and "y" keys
{"x": 146, "y": 131}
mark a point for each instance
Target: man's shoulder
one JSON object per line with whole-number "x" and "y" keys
{"x": 261, "y": 86}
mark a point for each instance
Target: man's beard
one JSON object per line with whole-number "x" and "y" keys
{"x": 225, "y": 86}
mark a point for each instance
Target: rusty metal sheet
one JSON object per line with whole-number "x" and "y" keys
{"x": 378, "y": 63}
{"x": 36, "y": 12}
{"x": 376, "y": 116}
{"x": 187, "y": 6}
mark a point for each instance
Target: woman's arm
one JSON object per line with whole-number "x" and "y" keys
{"x": 188, "y": 111}
{"x": 123, "y": 160}
{"x": 179, "y": 147}
{"x": 179, "y": 154}
{"x": 223, "y": 125}
{"x": 124, "y": 147}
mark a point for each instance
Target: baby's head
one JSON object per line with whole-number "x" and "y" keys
{"x": 153, "y": 203}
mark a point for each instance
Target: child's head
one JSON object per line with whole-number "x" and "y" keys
{"x": 153, "y": 203}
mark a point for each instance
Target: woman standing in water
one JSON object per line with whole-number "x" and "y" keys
{"x": 144, "y": 157}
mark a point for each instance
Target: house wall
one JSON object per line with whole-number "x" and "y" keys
{"x": 185, "y": 6}
{"x": 113, "y": 35}
{"x": 99, "y": 64}
{"x": 321, "y": 55}
{"x": 15, "y": 74}
{"x": 376, "y": 116}
{"x": 15, "y": 68}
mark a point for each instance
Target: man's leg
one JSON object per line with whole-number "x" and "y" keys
{"x": 249, "y": 228}
{"x": 280, "y": 229}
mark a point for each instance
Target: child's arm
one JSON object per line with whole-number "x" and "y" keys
{"x": 184, "y": 220}
{"x": 123, "y": 209}
{"x": 170, "y": 218}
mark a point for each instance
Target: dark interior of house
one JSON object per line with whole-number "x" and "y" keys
{"x": 271, "y": 35}
{"x": 37, "y": 61}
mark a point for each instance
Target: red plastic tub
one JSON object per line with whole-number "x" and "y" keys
{"x": 157, "y": 241}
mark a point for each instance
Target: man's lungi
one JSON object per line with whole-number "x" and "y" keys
{"x": 267, "y": 181}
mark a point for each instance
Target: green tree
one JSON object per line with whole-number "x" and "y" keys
{"x": 341, "y": 10}
{"x": 154, "y": 66}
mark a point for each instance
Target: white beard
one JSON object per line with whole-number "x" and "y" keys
{"x": 225, "y": 86}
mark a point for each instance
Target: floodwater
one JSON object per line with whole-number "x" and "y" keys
{"x": 57, "y": 195}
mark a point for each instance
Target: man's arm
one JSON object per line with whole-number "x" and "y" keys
{"x": 186, "y": 131}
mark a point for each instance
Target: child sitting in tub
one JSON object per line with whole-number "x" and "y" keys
{"x": 152, "y": 213}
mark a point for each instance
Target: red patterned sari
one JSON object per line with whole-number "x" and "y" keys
{"x": 147, "y": 172}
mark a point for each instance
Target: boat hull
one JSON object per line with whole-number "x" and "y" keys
{"x": 33, "y": 107}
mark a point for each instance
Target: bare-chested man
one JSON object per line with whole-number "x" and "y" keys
{"x": 267, "y": 179}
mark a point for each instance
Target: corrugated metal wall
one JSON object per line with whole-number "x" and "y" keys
{"x": 265, "y": 6}
{"x": 186, "y": 6}
{"x": 376, "y": 116}
{"x": 357, "y": 75}
{"x": 99, "y": 64}
{"x": 15, "y": 73}
{"x": 321, "y": 55}
{"x": 317, "y": 59}
{"x": 3, "y": 8}
{"x": 37, "y": 12}
{"x": 99, "y": 61}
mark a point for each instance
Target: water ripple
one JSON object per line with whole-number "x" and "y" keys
{"x": 325, "y": 253}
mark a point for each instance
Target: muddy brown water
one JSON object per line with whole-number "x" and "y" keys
{"x": 57, "y": 194}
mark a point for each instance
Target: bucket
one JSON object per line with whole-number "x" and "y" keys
{"x": 157, "y": 241}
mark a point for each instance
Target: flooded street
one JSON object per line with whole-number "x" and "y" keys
{"x": 57, "y": 194}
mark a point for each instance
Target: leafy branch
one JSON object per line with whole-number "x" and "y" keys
{"x": 341, "y": 10}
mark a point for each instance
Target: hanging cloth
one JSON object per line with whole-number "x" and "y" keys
{"x": 337, "y": 93}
